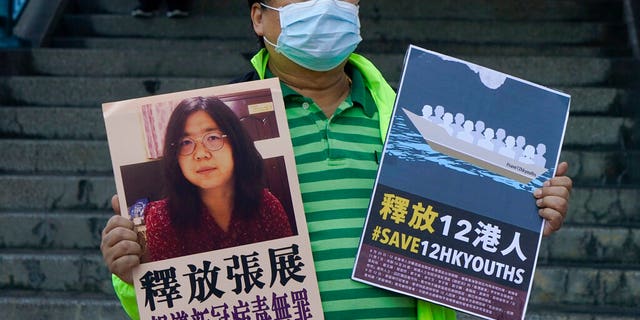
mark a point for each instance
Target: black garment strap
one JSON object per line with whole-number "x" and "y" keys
{"x": 249, "y": 76}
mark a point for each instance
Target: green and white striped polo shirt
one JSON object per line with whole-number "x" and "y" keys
{"x": 337, "y": 163}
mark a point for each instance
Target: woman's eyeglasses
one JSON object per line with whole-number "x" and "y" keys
{"x": 213, "y": 141}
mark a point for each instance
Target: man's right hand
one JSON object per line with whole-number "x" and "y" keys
{"x": 120, "y": 248}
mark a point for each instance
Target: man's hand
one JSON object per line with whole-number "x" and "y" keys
{"x": 120, "y": 248}
{"x": 553, "y": 199}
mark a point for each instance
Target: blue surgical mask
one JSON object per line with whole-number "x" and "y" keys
{"x": 317, "y": 34}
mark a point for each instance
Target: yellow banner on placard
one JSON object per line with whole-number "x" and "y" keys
{"x": 260, "y": 107}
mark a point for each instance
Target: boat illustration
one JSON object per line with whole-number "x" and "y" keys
{"x": 440, "y": 141}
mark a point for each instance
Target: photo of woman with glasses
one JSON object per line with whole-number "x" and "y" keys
{"x": 214, "y": 186}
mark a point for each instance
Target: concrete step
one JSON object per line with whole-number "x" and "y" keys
{"x": 234, "y": 46}
{"x": 91, "y": 91}
{"x": 59, "y": 306}
{"x": 198, "y": 7}
{"x": 604, "y": 206}
{"x": 71, "y": 270}
{"x": 589, "y": 287}
{"x": 494, "y": 32}
{"x": 249, "y": 46}
{"x": 494, "y": 9}
{"x": 603, "y": 167}
{"x": 553, "y": 312}
{"x": 597, "y": 100}
{"x": 55, "y": 156}
{"x": 52, "y": 230}
{"x": 550, "y": 71}
{"x": 51, "y": 193}
{"x": 56, "y": 305}
{"x": 123, "y": 25}
{"x": 595, "y": 131}
{"x": 52, "y": 305}
{"x": 63, "y": 306}
{"x": 591, "y": 245}
{"x": 53, "y": 123}
{"x": 126, "y": 62}
{"x": 460, "y": 9}
{"x": 422, "y": 30}
{"x": 28, "y": 156}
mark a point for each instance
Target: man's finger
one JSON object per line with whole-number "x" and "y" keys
{"x": 553, "y": 220}
{"x": 118, "y": 234}
{"x": 117, "y": 222}
{"x": 562, "y": 169}
{"x": 557, "y": 204}
{"x": 122, "y": 267}
{"x": 115, "y": 204}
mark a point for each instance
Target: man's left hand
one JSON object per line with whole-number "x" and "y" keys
{"x": 553, "y": 199}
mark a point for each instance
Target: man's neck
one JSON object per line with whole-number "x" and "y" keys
{"x": 327, "y": 89}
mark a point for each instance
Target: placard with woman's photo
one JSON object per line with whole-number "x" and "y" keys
{"x": 208, "y": 177}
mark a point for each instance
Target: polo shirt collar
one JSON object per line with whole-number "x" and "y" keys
{"x": 359, "y": 93}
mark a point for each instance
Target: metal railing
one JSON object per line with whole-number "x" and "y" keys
{"x": 632, "y": 20}
{"x": 14, "y": 9}
{"x": 9, "y": 20}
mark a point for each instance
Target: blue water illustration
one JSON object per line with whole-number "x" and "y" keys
{"x": 408, "y": 145}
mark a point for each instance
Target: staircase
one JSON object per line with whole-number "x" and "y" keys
{"x": 56, "y": 175}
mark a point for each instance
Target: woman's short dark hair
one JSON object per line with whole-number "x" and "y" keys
{"x": 184, "y": 203}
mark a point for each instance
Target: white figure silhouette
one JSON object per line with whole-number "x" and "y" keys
{"x": 466, "y": 135}
{"x": 477, "y": 133}
{"x": 507, "y": 150}
{"x": 539, "y": 158}
{"x": 447, "y": 120}
{"x": 439, "y": 112}
{"x": 486, "y": 141}
{"x": 427, "y": 111}
{"x": 498, "y": 142}
{"x": 458, "y": 122}
{"x": 520, "y": 143}
{"x": 527, "y": 154}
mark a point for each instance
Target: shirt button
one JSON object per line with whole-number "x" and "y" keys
{"x": 305, "y": 105}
